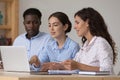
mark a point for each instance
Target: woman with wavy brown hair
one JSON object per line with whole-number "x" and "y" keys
{"x": 98, "y": 50}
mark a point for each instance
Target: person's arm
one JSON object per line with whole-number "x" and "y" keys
{"x": 87, "y": 67}
{"x": 75, "y": 50}
{"x": 38, "y": 60}
{"x": 52, "y": 66}
{"x": 71, "y": 65}
{"x": 105, "y": 56}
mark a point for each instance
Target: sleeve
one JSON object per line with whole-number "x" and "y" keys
{"x": 20, "y": 40}
{"x": 16, "y": 42}
{"x": 75, "y": 50}
{"x": 43, "y": 57}
{"x": 43, "y": 54}
{"x": 33, "y": 68}
{"x": 76, "y": 58}
{"x": 105, "y": 55}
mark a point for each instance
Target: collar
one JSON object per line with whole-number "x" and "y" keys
{"x": 39, "y": 34}
{"x": 65, "y": 46}
{"x": 87, "y": 45}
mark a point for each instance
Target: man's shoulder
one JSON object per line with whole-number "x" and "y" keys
{"x": 19, "y": 39}
{"x": 44, "y": 37}
{"x": 43, "y": 34}
{"x": 21, "y": 36}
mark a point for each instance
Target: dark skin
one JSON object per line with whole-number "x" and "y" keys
{"x": 32, "y": 24}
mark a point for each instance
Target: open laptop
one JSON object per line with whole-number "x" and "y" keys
{"x": 14, "y": 58}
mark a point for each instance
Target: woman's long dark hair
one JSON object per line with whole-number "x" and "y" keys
{"x": 97, "y": 26}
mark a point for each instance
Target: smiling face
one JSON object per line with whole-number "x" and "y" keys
{"x": 56, "y": 28}
{"x": 81, "y": 27}
{"x": 32, "y": 24}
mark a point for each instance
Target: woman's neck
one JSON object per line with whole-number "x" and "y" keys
{"x": 89, "y": 37}
{"x": 61, "y": 40}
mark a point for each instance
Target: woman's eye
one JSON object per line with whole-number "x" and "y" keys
{"x": 55, "y": 25}
{"x": 77, "y": 22}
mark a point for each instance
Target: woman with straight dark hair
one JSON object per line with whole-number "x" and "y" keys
{"x": 61, "y": 47}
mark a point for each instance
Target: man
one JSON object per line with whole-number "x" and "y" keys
{"x": 33, "y": 39}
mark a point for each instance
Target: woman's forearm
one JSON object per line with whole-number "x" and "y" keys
{"x": 87, "y": 67}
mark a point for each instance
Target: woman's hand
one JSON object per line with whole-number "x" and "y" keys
{"x": 52, "y": 66}
{"x": 34, "y": 61}
{"x": 70, "y": 64}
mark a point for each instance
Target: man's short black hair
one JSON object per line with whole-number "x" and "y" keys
{"x": 32, "y": 11}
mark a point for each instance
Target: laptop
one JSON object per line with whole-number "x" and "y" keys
{"x": 15, "y": 59}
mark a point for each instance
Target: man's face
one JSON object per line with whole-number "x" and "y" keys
{"x": 31, "y": 23}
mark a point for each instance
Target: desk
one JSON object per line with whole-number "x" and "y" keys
{"x": 28, "y": 76}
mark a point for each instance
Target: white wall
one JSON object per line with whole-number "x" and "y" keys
{"x": 108, "y": 8}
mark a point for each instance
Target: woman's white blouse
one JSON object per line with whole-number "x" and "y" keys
{"x": 97, "y": 53}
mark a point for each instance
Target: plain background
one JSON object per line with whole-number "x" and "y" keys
{"x": 109, "y": 9}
